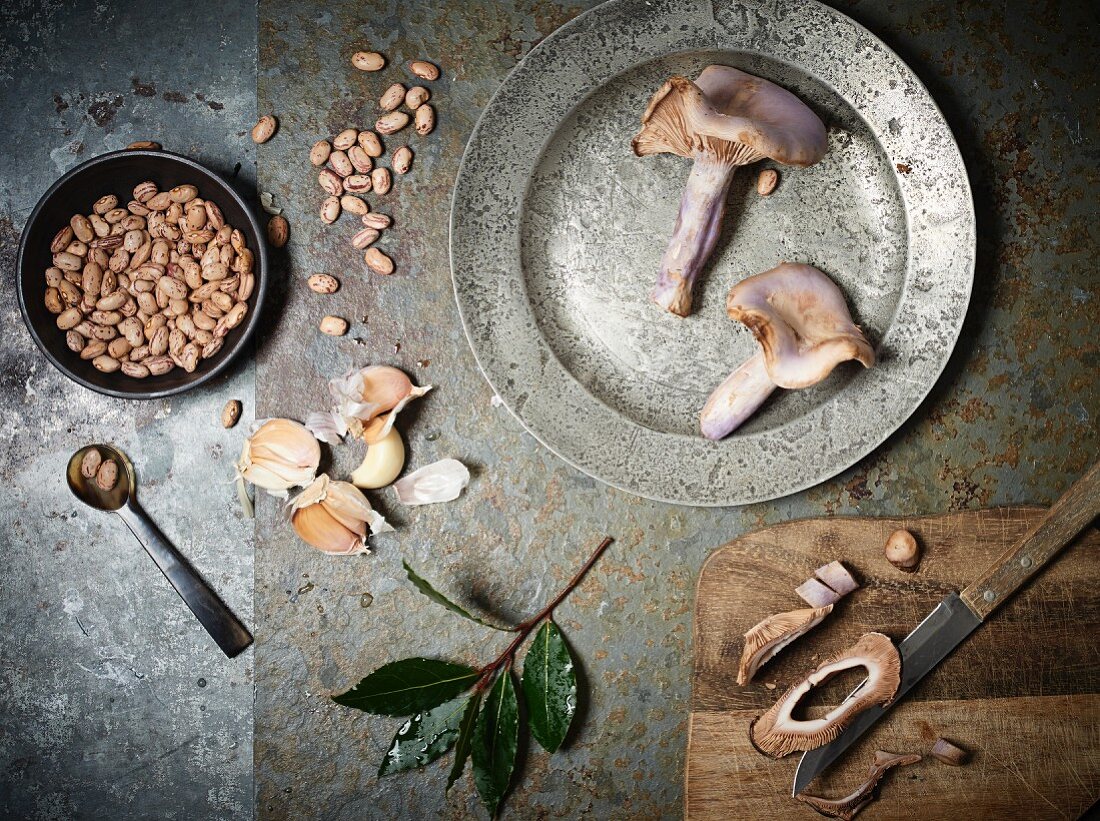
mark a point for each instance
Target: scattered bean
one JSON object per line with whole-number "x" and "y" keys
{"x": 424, "y": 70}
{"x": 334, "y": 326}
{"x": 323, "y": 284}
{"x": 231, "y": 413}
{"x": 264, "y": 129}
{"x": 368, "y": 60}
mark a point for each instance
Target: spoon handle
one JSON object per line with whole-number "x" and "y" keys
{"x": 232, "y": 636}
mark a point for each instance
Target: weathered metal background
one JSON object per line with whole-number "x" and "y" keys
{"x": 114, "y": 701}
{"x": 1012, "y": 420}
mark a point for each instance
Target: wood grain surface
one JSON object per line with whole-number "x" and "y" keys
{"x": 1022, "y": 693}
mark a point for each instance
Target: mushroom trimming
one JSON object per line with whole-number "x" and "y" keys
{"x": 800, "y": 318}
{"x": 764, "y": 641}
{"x": 778, "y": 733}
{"x": 725, "y": 119}
{"x": 848, "y": 807}
{"x": 902, "y": 551}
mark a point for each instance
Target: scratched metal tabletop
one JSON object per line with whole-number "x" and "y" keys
{"x": 114, "y": 702}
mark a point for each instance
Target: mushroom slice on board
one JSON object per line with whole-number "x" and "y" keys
{"x": 764, "y": 641}
{"x": 848, "y": 807}
{"x": 778, "y": 733}
{"x": 725, "y": 119}
{"x": 800, "y": 318}
{"x": 837, "y": 576}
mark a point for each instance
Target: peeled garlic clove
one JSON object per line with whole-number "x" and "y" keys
{"x": 334, "y": 516}
{"x": 441, "y": 481}
{"x": 382, "y": 464}
{"x": 280, "y": 454}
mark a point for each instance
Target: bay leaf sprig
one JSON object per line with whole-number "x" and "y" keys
{"x": 476, "y": 711}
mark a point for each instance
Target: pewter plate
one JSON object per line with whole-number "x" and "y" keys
{"x": 557, "y": 230}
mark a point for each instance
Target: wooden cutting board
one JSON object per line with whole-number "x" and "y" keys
{"x": 1022, "y": 693}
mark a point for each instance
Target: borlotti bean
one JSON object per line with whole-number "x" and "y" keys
{"x": 153, "y": 286}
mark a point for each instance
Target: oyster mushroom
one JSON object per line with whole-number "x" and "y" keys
{"x": 725, "y": 119}
{"x": 764, "y": 641}
{"x": 848, "y": 807}
{"x": 778, "y": 733}
{"x": 799, "y": 317}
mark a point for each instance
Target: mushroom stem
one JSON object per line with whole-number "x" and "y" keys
{"x": 736, "y": 399}
{"x": 698, "y": 225}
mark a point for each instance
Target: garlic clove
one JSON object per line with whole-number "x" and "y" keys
{"x": 364, "y": 395}
{"x": 441, "y": 481}
{"x": 383, "y": 463}
{"x": 334, "y": 517}
{"x": 280, "y": 454}
{"x": 318, "y": 528}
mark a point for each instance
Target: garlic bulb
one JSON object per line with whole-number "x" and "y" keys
{"x": 367, "y": 403}
{"x": 334, "y": 516}
{"x": 280, "y": 454}
{"x": 440, "y": 481}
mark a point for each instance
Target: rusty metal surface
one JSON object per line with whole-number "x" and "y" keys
{"x": 1012, "y": 420}
{"x": 114, "y": 702}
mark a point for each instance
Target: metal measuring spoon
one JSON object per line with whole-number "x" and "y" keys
{"x": 212, "y": 613}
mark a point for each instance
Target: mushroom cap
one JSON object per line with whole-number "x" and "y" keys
{"x": 800, "y": 318}
{"x": 737, "y": 115}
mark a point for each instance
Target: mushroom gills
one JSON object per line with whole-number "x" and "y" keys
{"x": 764, "y": 641}
{"x": 777, "y": 733}
{"x": 723, "y": 120}
{"x": 848, "y": 807}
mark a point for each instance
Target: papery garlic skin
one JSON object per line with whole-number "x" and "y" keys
{"x": 280, "y": 454}
{"x": 440, "y": 481}
{"x": 367, "y": 403}
{"x": 334, "y": 517}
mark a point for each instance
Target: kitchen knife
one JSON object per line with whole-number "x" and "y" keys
{"x": 957, "y": 616}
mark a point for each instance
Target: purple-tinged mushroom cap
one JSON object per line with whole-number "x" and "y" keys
{"x": 724, "y": 120}
{"x": 800, "y": 318}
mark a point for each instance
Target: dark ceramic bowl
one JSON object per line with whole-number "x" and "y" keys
{"x": 117, "y": 173}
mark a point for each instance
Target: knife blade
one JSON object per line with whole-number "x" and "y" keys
{"x": 960, "y": 614}
{"x": 934, "y": 638}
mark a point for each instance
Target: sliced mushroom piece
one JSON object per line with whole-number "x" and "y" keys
{"x": 943, "y": 750}
{"x": 764, "y": 641}
{"x": 800, "y": 318}
{"x": 778, "y": 733}
{"x": 816, "y": 594}
{"x": 725, "y": 119}
{"x": 848, "y": 807}
{"x": 836, "y": 575}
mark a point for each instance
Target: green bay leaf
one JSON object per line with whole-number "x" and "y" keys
{"x": 425, "y": 737}
{"x": 425, "y": 587}
{"x": 549, "y": 687}
{"x": 494, "y": 744}
{"x": 465, "y": 740}
{"x": 409, "y": 686}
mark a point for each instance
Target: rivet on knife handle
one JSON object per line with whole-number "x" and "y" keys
{"x": 1067, "y": 517}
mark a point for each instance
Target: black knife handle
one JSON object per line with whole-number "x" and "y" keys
{"x": 1067, "y": 517}
{"x": 211, "y": 611}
